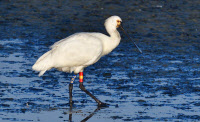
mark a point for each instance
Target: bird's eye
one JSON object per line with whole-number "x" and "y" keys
{"x": 118, "y": 21}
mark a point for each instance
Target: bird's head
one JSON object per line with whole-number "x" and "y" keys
{"x": 113, "y": 22}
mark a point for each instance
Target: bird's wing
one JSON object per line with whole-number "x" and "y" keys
{"x": 78, "y": 50}
{"x": 65, "y": 40}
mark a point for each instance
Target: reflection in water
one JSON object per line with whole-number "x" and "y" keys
{"x": 86, "y": 118}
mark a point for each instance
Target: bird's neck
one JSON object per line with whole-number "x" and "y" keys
{"x": 115, "y": 35}
{"x": 113, "y": 42}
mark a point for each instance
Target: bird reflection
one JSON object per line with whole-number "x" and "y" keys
{"x": 86, "y": 118}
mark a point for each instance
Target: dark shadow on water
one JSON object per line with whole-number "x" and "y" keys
{"x": 86, "y": 118}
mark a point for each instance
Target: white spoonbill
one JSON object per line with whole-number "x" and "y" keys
{"x": 80, "y": 50}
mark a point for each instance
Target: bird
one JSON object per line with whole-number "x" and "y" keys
{"x": 80, "y": 50}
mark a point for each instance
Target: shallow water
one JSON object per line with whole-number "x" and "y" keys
{"x": 162, "y": 84}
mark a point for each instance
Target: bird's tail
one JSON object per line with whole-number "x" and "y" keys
{"x": 43, "y": 64}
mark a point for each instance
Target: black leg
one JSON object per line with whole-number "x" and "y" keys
{"x": 70, "y": 94}
{"x": 100, "y": 104}
{"x": 70, "y": 114}
{"x": 70, "y": 90}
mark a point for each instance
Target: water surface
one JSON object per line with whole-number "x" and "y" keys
{"x": 162, "y": 84}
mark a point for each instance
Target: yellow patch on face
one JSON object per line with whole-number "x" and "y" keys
{"x": 118, "y": 23}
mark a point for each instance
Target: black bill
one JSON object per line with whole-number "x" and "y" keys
{"x": 130, "y": 39}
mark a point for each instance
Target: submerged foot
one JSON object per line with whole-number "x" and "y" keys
{"x": 101, "y": 104}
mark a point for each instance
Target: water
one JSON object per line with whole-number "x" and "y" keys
{"x": 162, "y": 84}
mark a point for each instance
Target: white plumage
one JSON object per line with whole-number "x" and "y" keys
{"x": 80, "y": 50}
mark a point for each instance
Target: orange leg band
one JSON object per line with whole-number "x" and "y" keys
{"x": 81, "y": 77}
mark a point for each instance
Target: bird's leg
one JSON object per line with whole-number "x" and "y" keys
{"x": 70, "y": 89}
{"x": 81, "y": 86}
{"x": 70, "y": 114}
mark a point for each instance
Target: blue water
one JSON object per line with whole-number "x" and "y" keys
{"x": 161, "y": 84}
